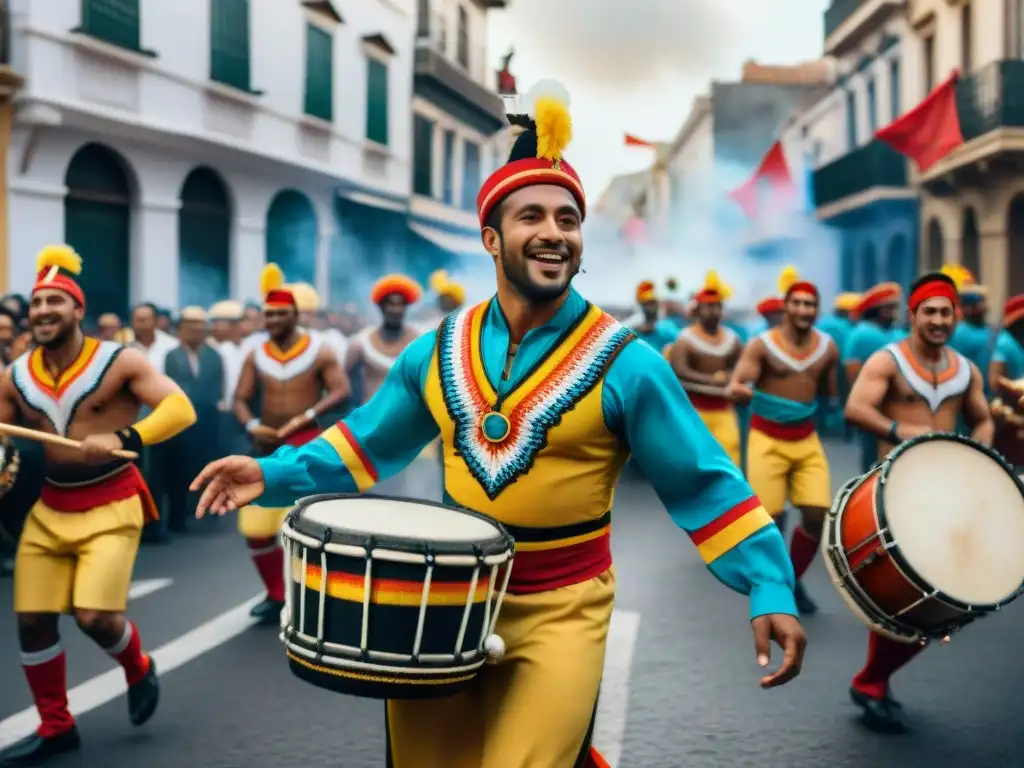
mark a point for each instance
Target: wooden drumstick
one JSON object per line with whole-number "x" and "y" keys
{"x": 66, "y": 442}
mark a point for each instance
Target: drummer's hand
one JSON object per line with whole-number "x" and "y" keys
{"x": 231, "y": 482}
{"x": 294, "y": 424}
{"x": 787, "y": 632}
{"x": 910, "y": 431}
{"x": 99, "y": 447}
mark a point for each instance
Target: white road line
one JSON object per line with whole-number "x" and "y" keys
{"x": 108, "y": 686}
{"x": 144, "y": 587}
{"x": 613, "y": 707}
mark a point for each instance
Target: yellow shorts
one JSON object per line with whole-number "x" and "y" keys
{"x": 532, "y": 709}
{"x": 261, "y": 522}
{"x": 793, "y": 469}
{"x": 82, "y": 560}
{"x": 725, "y": 427}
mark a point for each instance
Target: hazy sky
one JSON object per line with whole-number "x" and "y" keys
{"x": 635, "y": 65}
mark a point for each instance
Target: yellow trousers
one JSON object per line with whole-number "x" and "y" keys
{"x": 796, "y": 470}
{"x": 725, "y": 427}
{"x": 534, "y": 708}
{"x": 81, "y": 560}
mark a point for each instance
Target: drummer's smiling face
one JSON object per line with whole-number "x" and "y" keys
{"x": 280, "y": 322}
{"x": 934, "y": 320}
{"x": 537, "y": 241}
{"x": 53, "y": 317}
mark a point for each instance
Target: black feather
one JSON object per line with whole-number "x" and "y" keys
{"x": 521, "y": 120}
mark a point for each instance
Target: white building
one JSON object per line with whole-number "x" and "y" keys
{"x": 180, "y": 145}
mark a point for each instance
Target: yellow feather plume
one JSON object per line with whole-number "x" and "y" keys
{"x": 712, "y": 282}
{"x": 60, "y": 256}
{"x": 554, "y": 128}
{"x": 959, "y": 274}
{"x": 788, "y": 277}
{"x": 438, "y": 280}
{"x": 271, "y": 279}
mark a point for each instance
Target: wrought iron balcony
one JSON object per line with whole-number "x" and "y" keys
{"x": 450, "y": 87}
{"x": 991, "y": 98}
{"x": 873, "y": 165}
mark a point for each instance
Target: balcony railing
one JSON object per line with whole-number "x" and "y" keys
{"x": 838, "y": 12}
{"x": 873, "y": 165}
{"x": 991, "y": 98}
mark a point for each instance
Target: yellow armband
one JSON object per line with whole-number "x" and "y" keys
{"x": 173, "y": 415}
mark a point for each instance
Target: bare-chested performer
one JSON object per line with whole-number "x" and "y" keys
{"x": 703, "y": 357}
{"x": 375, "y": 349}
{"x": 910, "y": 388}
{"x": 78, "y": 547}
{"x": 297, "y": 378}
{"x": 790, "y": 367}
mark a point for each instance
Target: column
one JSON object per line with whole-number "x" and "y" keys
{"x": 36, "y": 212}
{"x": 325, "y": 238}
{"x": 155, "y": 252}
{"x": 247, "y": 258}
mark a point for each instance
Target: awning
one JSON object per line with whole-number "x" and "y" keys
{"x": 374, "y": 201}
{"x": 453, "y": 242}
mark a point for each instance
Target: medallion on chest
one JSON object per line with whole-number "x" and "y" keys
{"x": 284, "y": 365}
{"x": 59, "y": 399}
{"x": 703, "y": 344}
{"x": 794, "y": 359}
{"x": 934, "y": 389}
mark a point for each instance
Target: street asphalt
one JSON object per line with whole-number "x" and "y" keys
{"x": 684, "y": 695}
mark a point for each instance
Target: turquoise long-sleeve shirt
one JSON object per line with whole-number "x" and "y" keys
{"x": 973, "y": 342}
{"x": 1009, "y": 352}
{"x": 664, "y": 332}
{"x": 642, "y": 403}
{"x": 865, "y": 339}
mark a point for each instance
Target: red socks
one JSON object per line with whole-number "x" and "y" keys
{"x": 46, "y": 672}
{"x": 885, "y": 656}
{"x": 128, "y": 653}
{"x": 594, "y": 760}
{"x": 268, "y": 558}
{"x": 802, "y": 549}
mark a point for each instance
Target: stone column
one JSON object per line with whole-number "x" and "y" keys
{"x": 247, "y": 258}
{"x": 154, "y": 258}
{"x": 10, "y": 83}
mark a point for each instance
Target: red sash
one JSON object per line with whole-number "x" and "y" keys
{"x": 122, "y": 484}
{"x": 788, "y": 432}
{"x": 704, "y": 402}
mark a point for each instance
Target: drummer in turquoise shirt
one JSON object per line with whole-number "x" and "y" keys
{"x": 657, "y": 333}
{"x": 875, "y": 328}
{"x": 1008, "y": 357}
{"x": 838, "y": 325}
{"x": 972, "y": 337}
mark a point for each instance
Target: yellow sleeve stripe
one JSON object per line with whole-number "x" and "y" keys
{"x": 731, "y": 535}
{"x": 340, "y": 438}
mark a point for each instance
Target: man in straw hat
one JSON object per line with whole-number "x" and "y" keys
{"x": 538, "y": 396}
{"x": 78, "y": 547}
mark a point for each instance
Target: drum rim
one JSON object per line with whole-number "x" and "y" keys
{"x": 895, "y": 551}
{"x": 499, "y": 545}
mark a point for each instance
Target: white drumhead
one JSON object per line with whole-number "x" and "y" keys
{"x": 401, "y": 518}
{"x": 958, "y": 519}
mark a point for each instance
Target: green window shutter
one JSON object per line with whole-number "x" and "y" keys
{"x": 319, "y": 73}
{"x": 377, "y": 101}
{"x": 422, "y": 156}
{"x": 470, "y": 175}
{"x": 229, "y": 42}
{"x": 114, "y": 21}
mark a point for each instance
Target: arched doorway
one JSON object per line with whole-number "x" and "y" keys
{"x": 204, "y": 240}
{"x": 97, "y": 224}
{"x": 934, "y": 244}
{"x": 1015, "y": 233}
{"x": 292, "y": 236}
{"x": 970, "y": 256}
{"x": 898, "y": 266}
{"x": 869, "y": 266}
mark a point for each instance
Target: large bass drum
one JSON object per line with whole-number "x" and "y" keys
{"x": 929, "y": 540}
{"x": 11, "y": 520}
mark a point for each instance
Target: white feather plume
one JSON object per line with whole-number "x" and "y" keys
{"x": 544, "y": 89}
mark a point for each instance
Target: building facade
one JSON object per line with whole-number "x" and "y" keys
{"x": 180, "y": 146}
{"x": 862, "y": 187}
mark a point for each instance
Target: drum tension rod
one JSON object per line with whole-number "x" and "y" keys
{"x": 371, "y": 544}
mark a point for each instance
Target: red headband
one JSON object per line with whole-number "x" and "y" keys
{"x": 280, "y": 298}
{"x": 769, "y": 306}
{"x": 933, "y": 289}
{"x": 54, "y": 279}
{"x": 1014, "y": 310}
{"x": 708, "y": 296}
{"x": 802, "y": 286}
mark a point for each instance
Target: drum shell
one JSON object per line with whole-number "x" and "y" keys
{"x": 881, "y": 573}
{"x": 1009, "y": 441}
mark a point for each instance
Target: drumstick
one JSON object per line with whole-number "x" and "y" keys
{"x": 46, "y": 437}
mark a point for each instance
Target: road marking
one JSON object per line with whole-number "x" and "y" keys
{"x": 108, "y": 686}
{"x": 613, "y": 707}
{"x": 144, "y": 587}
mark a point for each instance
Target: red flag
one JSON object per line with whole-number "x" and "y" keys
{"x": 771, "y": 179}
{"x": 929, "y": 131}
{"x": 633, "y": 141}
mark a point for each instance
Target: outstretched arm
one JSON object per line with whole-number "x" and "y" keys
{"x": 375, "y": 442}
{"x": 701, "y": 488}
{"x": 680, "y": 359}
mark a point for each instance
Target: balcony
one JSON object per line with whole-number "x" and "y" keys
{"x": 872, "y": 172}
{"x": 10, "y": 81}
{"x": 444, "y": 83}
{"x": 847, "y": 22}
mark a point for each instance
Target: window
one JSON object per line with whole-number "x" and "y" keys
{"x": 422, "y": 156}
{"x": 229, "y": 42}
{"x": 929, "y": 63}
{"x": 872, "y": 97}
{"x": 851, "y": 121}
{"x": 966, "y": 39}
{"x": 894, "y": 89}
{"x": 463, "y": 51}
{"x": 448, "y": 191}
{"x": 319, "y": 73}
{"x": 1014, "y": 37}
{"x": 470, "y": 175}
{"x": 114, "y": 21}
{"x": 377, "y": 101}
{"x": 423, "y": 19}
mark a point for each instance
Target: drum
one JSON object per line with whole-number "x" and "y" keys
{"x": 10, "y": 463}
{"x": 392, "y": 598}
{"x": 928, "y": 540}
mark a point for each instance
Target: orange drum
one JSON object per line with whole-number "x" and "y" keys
{"x": 929, "y": 540}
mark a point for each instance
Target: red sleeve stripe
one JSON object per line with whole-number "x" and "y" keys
{"x": 724, "y": 520}
{"x": 358, "y": 451}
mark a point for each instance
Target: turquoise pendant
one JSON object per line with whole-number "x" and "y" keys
{"x": 495, "y": 427}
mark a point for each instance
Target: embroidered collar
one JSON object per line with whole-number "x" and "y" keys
{"x": 283, "y": 356}
{"x": 280, "y": 365}
{"x": 720, "y": 346}
{"x": 934, "y": 389}
{"x": 796, "y": 359}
